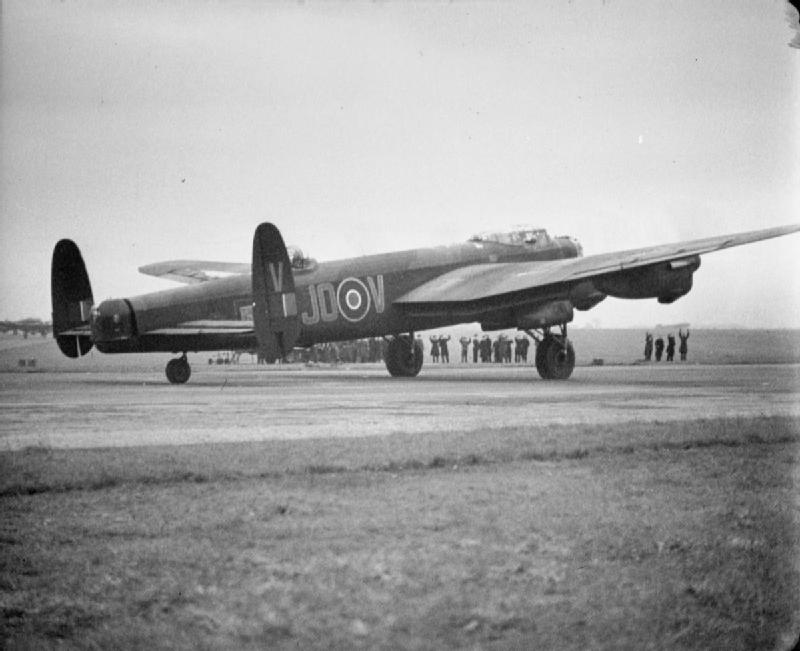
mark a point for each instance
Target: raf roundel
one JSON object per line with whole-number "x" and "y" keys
{"x": 353, "y": 299}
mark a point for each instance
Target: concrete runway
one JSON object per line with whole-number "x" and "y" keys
{"x": 247, "y": 403}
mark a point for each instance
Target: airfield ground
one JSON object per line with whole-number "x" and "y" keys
{"x": 630, "y": 507}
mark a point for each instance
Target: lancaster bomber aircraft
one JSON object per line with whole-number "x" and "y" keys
{"x": 521, "y": 278}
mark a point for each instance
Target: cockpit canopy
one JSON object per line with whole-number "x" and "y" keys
{"x": 298, "y": 260}
{"x": 515, "y": 236}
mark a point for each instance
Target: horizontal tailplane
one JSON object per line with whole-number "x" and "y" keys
{"x": 72, "y": 299}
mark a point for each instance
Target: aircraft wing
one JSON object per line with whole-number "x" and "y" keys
{"x": 489, "y": 281}
{"x": 193, "y": 271}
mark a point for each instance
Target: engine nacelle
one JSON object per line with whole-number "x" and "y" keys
{"x": 555, "y": 312}
{"x": 544, "y": 316}
{"x": 666, "y": 281}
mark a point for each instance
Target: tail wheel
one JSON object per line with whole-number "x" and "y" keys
{"x": 555, "y": 358}
{"x": 404, "y": 357}
{"x": 178, "y": 370}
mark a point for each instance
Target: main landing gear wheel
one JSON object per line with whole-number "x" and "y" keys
{"x": 178, "y": 370}
{"x": 555, "y": 358}
{"x": 404, "y": 357}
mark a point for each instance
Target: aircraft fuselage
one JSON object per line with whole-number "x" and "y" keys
{"x": 337, "y": 300}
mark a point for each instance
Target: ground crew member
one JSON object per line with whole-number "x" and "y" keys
{"x": 475, "y": 346}
{"x": 648, "y": 346}
{"x": 445, "y": 354}
{"x": 518, "y": 347}
{"x": 659, "y": 348}
{"x": 507, "y": 350}
{"x": 464, "y": 341}
{"x": 434, "y": 348}
{"x": 525, "y": 344}
{"x": 670, "y": 347}
{"x": 684, "y": 346}
{"x": 486, "y": 349}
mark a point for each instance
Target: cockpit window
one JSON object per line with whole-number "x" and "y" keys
{"x": 296, "y": 257}
{"x": 517, "y": 236}
{"x": 300, "y": 263}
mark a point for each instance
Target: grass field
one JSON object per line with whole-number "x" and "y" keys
{"x": 668, "y": 535}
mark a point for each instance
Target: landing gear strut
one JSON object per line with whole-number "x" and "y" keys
{"x": 404, "y": 356}
{"x": 178, "y": 370}
{"x": 555, "y": 356}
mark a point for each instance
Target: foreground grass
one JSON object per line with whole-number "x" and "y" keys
{"x": 673, "y": 535}
{"x": 44, "y": 470}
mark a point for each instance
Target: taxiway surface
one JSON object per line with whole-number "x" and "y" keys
{"x": 81, "y": 410}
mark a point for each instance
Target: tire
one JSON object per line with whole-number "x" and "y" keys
{"x": 178, "y": 371}
{"x": 555, "y": 358}
{"x": 403, "y": 360}
{"x": 541, "y": 349}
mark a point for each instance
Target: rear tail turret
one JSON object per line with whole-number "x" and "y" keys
{"x": 72, "y": 299}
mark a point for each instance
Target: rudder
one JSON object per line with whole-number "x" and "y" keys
{"x": 72, "y": 300}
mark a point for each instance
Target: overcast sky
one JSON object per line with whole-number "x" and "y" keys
{"x": 150, "y": 131}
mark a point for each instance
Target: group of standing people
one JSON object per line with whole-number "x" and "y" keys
{"x": 484, "y": 349}
{"x": 355, "y": 351}
{"x": 439, "y": 350}
{"x": 658, "y": 346}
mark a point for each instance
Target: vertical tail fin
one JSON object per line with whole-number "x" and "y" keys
{"x": 72, "y": 299}
{"x": 274, "y": 300}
